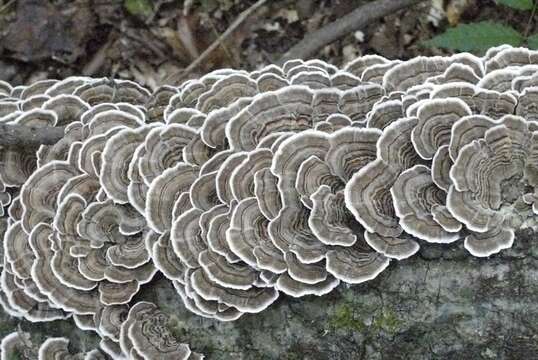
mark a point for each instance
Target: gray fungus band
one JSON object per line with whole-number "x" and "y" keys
{"x": 241, "y": 186}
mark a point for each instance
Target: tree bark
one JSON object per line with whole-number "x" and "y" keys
{"x": 440, "y": 304}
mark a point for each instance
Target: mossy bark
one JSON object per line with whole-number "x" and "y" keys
{"x": 440, "y": 304}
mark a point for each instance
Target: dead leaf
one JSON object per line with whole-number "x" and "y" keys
{"x": 455, "y": 9}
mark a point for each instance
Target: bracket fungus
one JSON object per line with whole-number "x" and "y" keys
{"x": 21, "y": 345}
{"x": 241, "y": 186}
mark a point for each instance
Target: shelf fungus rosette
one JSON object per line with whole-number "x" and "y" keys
{"x": 69, "y": 249}
{"x": 494, "y": 183}
{"x": 21, "y": 345}
{"x": 241, "y": 186}
{"x": 314, "y": 229}
{"x": 146, "y": 334}
{"x": 368, "y": 192}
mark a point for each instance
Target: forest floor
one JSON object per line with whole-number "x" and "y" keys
{"x": 149, "y": 40}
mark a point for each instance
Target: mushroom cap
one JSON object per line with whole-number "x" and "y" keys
{"x": 357, "y": 66}
{"x": 289, "y": 231}
{"x": 107, "y": 222}
{"x": 357, "y": 102}
{"x": 456, "y": 72}
{"x": 288, "y": 109}
{"x": 145, "y": 331}
{"x": 291, "y": 287}
{"x": 158, "y": 102}
{"x": 435, "y": 120}
{"x": 213, "y": 130}
{"x": 312, "y": 174}
{"x": 54, "y": 348}
{"x": 215, "y": 231}
{"x": 38, "y": 194}
{"x": 441, "y": 164}
{"x": 270, "y": 82}
{"x": 329, "y": 220}
{"x": 350, "y": 149}
{"x": 291, "y": 153}
{"x": 15, "y": 344}
{"x": 116, "y": 156}
{"x": 37, "y": 88}
{"x": 112, "y": 91}
{"x": 252, "y": 300}
{"x": 248, "y": 231}
{"x": 163, "y": 193}
{"x": 355, "y": 264}
{"x": 480, "y": 101}
{"x": 384, "y": 113}
{"x": 469, "y": 194}
{"x": 68, "y": 108}
{"x": 163, "y": 149}
{"x": 17, "y": 251}
{"x": 489, "y": 242}
{"x": 367, "y": 194}
{"x": 414, "y": 194}
{"x": 164, "y": 258}
{"x": 225, "y": 91}
{"x": 242, "y": 178}
{"x": 305, "y": 273}
{"x": 526, "y": 104}
{"x": 413, "y": 72}
{"x": 503, "y": 57}
{"x": 186, "y": 237}
{"x": 69, "y": 299}
{"x": 100, "y": 119}
{"x": 267, "y": 194}
{"x": 230, "y": 275}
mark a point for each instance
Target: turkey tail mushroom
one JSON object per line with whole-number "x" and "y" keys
{"x": 241, "y": 186}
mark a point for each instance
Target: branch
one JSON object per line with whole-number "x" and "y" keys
{"x": 353, "y": 21}
{"x": 176, "y": 78}
{"x": 29, "y": 136}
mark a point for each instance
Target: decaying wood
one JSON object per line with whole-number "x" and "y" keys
{"x": 29, "y": 136}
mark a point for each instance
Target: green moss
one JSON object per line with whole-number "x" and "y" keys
{"x": 387, "y": 321}
{"x": 364, "y": 318}
{"x": 292, "y": 355}
{"x": 15, "y": 355}
{"x": 176, "y": 328}
{"x": 140, "y": 8}
{"x": 346, "y": 318}
{"x": 208, "y": 349}
{"x": 467, "y": 293}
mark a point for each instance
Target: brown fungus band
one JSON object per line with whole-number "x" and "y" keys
{"x": 238, "y": 187}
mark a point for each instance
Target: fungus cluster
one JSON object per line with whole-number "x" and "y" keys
{"x": 240, "y": 186}
{"x": 20, "y": 345}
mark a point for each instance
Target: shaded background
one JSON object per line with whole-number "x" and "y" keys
{"x": 148, "y": 40}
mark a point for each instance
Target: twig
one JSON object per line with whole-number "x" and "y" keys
{"x": 222, "y": 45}
{"x": 99, "y": 58}
{"x": 177, "y": 77}
{"x": 355, "y": 20}
{"x": 186, "y": 37}
{"x": 6, "y": 5}
{"x": 29, "y": 136}
{"x": 529, "y": 23}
